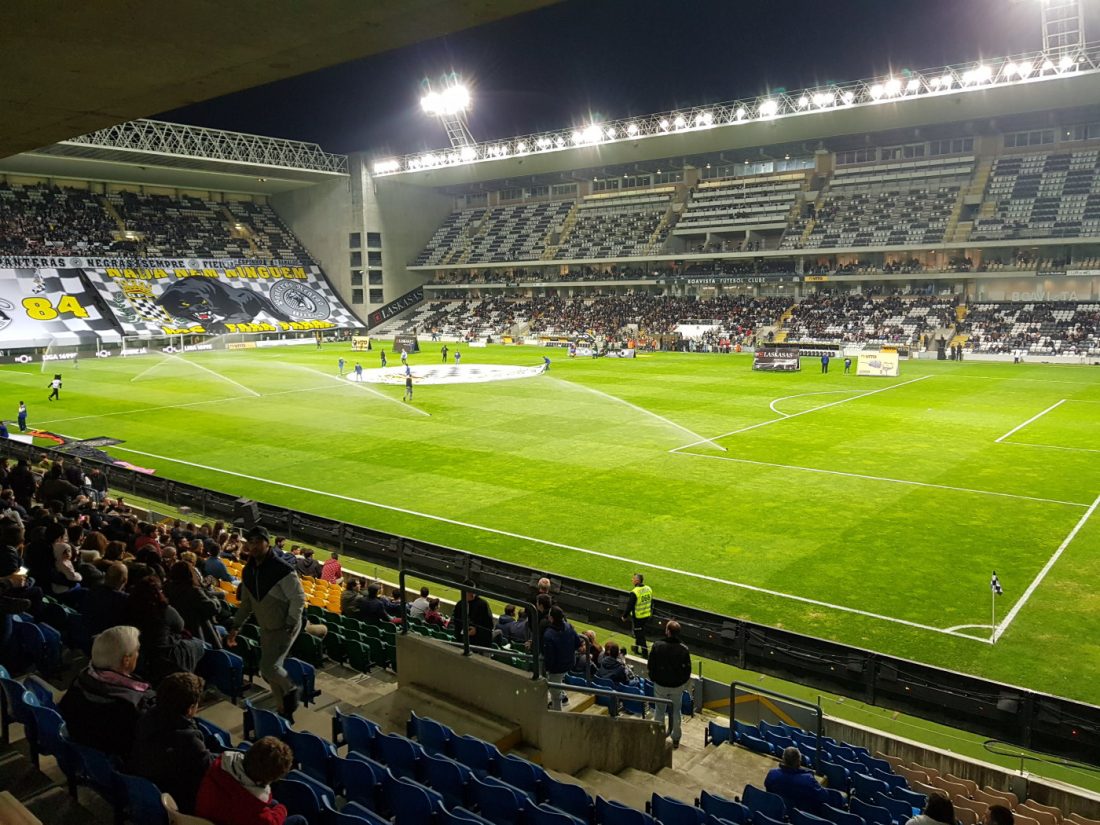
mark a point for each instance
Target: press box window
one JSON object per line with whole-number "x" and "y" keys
{"x": 357, "y": 296}
{"x": 376, "y": 296}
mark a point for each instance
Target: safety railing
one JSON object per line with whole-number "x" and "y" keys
{"x": 752, "y": 690}
{"x": 463, "y": 608}
{"x": 616, "y": 697}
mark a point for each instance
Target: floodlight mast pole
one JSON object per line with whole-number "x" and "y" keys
{"x": 453, "y": 118}
{"x": 1063, "y": 25}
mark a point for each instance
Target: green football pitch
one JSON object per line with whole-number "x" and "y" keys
{"x": 872, "y": 511}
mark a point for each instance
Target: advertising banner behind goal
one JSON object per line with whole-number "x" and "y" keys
{"x": 883, "y": 363}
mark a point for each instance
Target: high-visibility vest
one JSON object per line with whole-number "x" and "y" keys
{"x": 643, "y": 606}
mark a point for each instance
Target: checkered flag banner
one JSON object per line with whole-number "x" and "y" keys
{"x": 995, "y": 585}
{"x": 53, "y": 305}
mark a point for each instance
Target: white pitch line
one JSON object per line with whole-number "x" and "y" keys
{"x": 643, "y": 410}
{"x": 1008, "y": 619}
{"x": 1019, "y": 427}
{"x": 371, "y": 390}
{"x": 634, "y": 562}
{"x": 969, "y": 626}
{"x": 771, "y": 406}
{"x": 1051, "y": 447}
{"x": 804, "y": 412}
{"x": 882, "y": 478}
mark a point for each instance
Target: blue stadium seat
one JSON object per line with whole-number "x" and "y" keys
{"x": 761, "y": 818}
{"x": 354, "y": 731}
{"x": 432, "y": 736}
{"x": 669, "y": 811}
{"x": 899, "y": 809}
{"x": 259, "y": 723}
{"x": 549, "y": 815}
{"x": 298, "y": 797}
{"x": 614, "y": 813}
{"x": 139, "y": 799}
{"x": 521, "y": 774}
{"x": 741, "y": 729}
{"x": 719, "y": 806}
{"x": 839, "y": 816}
{"x": 912, "y": 798}
{"x": 565, "y": 796}
{"x": 716, "y": 734}
{"x": 17, "y": 700}
{"x": 40, "y": 644}
{"x": 217, "y": 739}
{"x": 357, "y": 782}
{"x": 96, "y": 770}
{"x": 865, "y": 787}
{"x": 462, "y": 816}
{"x": 802, "y": 818}
{"x": 399, "y": 753}
{"x": 874, "y": 764}
{"x": 48, "y": 731}
{"x": 312, "y": 754}
{"x": 449, "y": 778}
{"x": 225, "y": 671}
{"x": 892, "y": 779}
{"x": 872, "y": 814}
{"x": 835, "y": 798}
{"x": 837, "y": 776}
{"x": 476, "y": 754}
{"x": 498, "y": 802}
{"x": 853, "y": 766}
{"x": 414, "y": 804}
{"x": 304, "y": 675}
{"x": 769, "y": 804}
{"x": 361, "y": 816}
{"x": 755, "y": 744}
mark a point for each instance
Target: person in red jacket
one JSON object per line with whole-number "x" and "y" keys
{"x": 236, "y": 789}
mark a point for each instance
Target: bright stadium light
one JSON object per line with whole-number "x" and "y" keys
{"x": 848, "y": 97}
{"x": 1024, "y": 68}
{"x": 611, "y": 133}
{"x": 913, "y": 85}
{"x": 632, "y": 129}
{"x": 592, "y": 134}
{"x": 803, "y": 102}
{"x": 679, "y": 123}
{"x": 892, "y": 87}
{"x": 521, "y": 148}
{"x": 740, "y": 113}
{"x": 450, "y": 101}
{"x": 664, "y": 123}
{"x": 824, "y": 98}
{"x": 1066, "y": 63}
{"x": 384, "y": 167}
{"x": 768, "y": 108}
{"x": 876, "y": 91}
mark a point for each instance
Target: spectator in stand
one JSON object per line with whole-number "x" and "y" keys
{"x": 559, "y": 650}
{"x": 23, "y": 483}
{"x": 420, "y": 604}
{"x": 102, "y": 706}
{"x": 998, "y": 815}
{"x": 54, "y": 487}
{"x": 199, "y": 609}
{"x": 105, "y": 604}
{"x": 432, "y": 614}
{"x": 331, "y": 570}
{"x": 798, "y": 787}
{"x": 938, "y": 810}
{"x": 214, "y": 567}
{"x": 307, "y": 565}
{"x": 169, "y": 749}
{"x": 474, "y": 619}
{"x": 164, "y": 648}
{"x": 509, "y": 630}
{"x": 370, "y": 608}
{"x": 349, "y": 598}
{"x": 236, "y": 789}
{"x": 612, "y": 666}
{"x": 670, "y": 671}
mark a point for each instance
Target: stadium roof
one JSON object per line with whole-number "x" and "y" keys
{"x": 974, "y": 92}
{"x": 101, "y": 63}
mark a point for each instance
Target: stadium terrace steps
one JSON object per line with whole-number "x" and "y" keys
{"x": 613, "y": 787}
{"x": 391, "y": 711}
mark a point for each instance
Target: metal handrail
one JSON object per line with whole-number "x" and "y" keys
{"x": 463, "y": 605}
{"x": 616, "y": 696}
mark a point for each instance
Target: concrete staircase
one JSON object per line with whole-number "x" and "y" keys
{"x": 566, "y": 228}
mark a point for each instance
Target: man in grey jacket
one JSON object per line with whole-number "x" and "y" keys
{"x": 271, "y": 590}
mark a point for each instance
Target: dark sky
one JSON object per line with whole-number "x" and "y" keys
{"x": 616, "y": 58}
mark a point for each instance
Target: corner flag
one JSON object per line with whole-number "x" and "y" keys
{"x": 995, "y": 585}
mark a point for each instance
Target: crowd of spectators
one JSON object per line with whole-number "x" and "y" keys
{"x": 52, "y": 220}
{"x": 859, "y": 318}
{"x": 1046, "y": 327}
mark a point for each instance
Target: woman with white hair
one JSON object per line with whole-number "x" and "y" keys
{"x": 102, "y": 707}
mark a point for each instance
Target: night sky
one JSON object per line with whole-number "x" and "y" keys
{"x": 616, "y": 58}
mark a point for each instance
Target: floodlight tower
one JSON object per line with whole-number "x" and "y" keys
{"x": 1063, "y": 25}
{"x": 449, "y": 104}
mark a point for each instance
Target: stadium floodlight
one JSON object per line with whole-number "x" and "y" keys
{"x": 1024, "y": 68}
{"x": 740, "y": 113}
{"x": 450, "y": 104}
{"x": 560, "y": 142}
{"x": 384, "y": 167}
{"x": 848, "y": 97}
{"x": 467, "y": 153}
{"x": 543, "y": 142}
{"x": 592, "y": 133}
{"x": 679, "y": 122}
{"x": 768, "y": 108}
{"x": 892, "y": 87}
{"x": 611, "y": 133}
{"x": 664, "y": 123}
{"x": 1048, "y": 65}
{"x": 803, "y": 102}
{"x": 913, "y": 85}
{"x": 822, "y": 99}
{"x": 521, "y": 148}
{"x": 876, "y": 91}
{"x": 632, "y": 129}
{"x": 1066, "y": 63}
{"x": 946, "y": 81}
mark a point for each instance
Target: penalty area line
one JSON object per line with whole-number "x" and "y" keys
{"x": 1016, "y": 608}
{"x": 610, "y": 556}
{"x": 797, "y": 414}
{"x": 643, "y": 410}
{"x": 1019, "y": 427}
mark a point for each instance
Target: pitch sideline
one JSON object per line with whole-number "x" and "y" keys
{"x": 584, "y": 550}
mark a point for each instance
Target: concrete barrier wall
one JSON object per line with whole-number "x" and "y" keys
{"x": 569, "y": 741}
